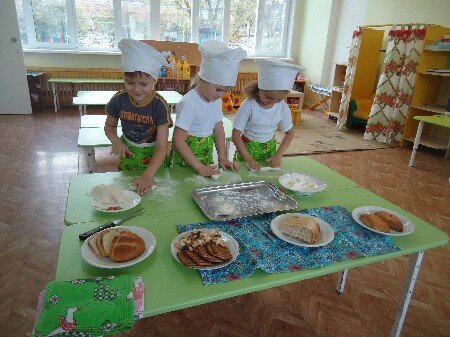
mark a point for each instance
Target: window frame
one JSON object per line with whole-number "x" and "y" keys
{"x": 74, "y": 46}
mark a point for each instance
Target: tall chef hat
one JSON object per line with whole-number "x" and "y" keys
{"x": 220, "y": 64}
{"x": 139, "y": 56}
{"x": 274, "y": 74}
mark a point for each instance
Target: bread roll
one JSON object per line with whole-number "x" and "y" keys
{"x": 374, "y": 222}
{"x": 391, "y": 220}
{"x": 118, "y": 244}
{"x": 301, "y": 227}
{"x": 126, "y": 247}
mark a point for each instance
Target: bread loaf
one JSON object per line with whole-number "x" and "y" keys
{"x": 118, "y": 244}
{"x": 301, "y": 227}
{"x": 374, "y": 222}
{"x": 391, "y": 220}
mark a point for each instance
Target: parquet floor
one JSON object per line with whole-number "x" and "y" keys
{"x": 39, "y": 155}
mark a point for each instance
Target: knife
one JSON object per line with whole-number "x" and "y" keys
{"x": 84, "y": 236}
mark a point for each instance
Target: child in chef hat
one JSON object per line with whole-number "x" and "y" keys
{"x": 199, "y": 114}
{"x": 144, "y": 115}
{"x": 264, "y": 109}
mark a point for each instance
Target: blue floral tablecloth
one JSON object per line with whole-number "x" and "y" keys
{"x": 277, "y": 256}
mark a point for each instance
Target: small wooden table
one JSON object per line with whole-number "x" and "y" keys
{"x": 85, "y": 98}
{"x": 440, "y": 120}
{"x": 54, "y": 82}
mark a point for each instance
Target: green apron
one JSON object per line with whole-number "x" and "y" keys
{"x": 140, "y": 157}
{"x": 201, "y": 147}
{"x": 258, "y": 150}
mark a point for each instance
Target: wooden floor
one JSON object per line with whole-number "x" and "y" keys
{"x": 39, "y": 154}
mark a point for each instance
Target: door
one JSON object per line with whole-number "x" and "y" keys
{"x": 14, "y": 95}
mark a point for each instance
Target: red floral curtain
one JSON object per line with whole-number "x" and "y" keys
{"x": 349, "y": 77}
{"x": 395, "y": 86}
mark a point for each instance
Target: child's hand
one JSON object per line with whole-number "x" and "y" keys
{"x": 120, "y": 149}
{"x": 229, "y": 164}
{"x": 207, "y": 170}
{"x": 252, "y": 164}
{"x": 274, "y": 161}
{"x": 143, "y": 184}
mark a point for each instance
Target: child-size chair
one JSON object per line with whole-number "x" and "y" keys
{"x": 359, "y": 111}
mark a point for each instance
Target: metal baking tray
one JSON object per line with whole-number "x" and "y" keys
{"x": 242, "y": 199}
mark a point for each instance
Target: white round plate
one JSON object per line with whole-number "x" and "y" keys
{"x": 326, "y": 232}
{"x": 408, "y": 226}
{"x": 132, "y": 199}
{"x": 321, "y": 184}
{"x": 232, "y": 244}
{"x": 104, "y": 262}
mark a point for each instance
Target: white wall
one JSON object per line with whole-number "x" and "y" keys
{"x": 408, "y": 11}
{"x": 349, "y": 15}
{"x": 14, "y": 95}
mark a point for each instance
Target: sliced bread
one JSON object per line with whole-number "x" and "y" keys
{"x": 301, "y": 227}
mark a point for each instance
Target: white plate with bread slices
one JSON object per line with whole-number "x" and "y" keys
{"x": 302, "y": 230}
{"x": 301, "y": 183}
{"x": 204, "y": 249}
{"x": 382, "y": 220}
{"x": 111, "y": 199}
{"x": 118, "y": 247}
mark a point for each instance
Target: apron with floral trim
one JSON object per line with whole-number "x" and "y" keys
{"x": 201, "y": 147}
{"x": 258, "y": 150}
{"x": 140, "y": 157}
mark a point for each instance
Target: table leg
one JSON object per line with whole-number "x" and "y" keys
{"x": 447, "y": 153}
{"x": 341, "y": 281}
{"x": 416, "y": 143}
{"x": 92, "y": 165}
{"x": 55, "y": 99}
{"x": 414, "y": 267}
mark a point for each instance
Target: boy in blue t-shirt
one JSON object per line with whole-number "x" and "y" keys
{"x": 145, "y": 116}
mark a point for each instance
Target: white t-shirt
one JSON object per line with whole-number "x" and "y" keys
{"x": 196, "y": 116}
{"x": 259, "y": 124}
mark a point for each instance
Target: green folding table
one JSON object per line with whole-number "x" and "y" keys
{"x": 170, "y": 286}
{"x": 180, "y": 181}
{"x": 439, "y": 120}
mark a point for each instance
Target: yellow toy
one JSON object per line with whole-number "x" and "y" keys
{"x": 186, "y": 69}
{"x": 179, "y": 69}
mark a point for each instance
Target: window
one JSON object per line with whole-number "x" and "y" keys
{"x": 260, "y": 27}
{"x": 176, "y": 20}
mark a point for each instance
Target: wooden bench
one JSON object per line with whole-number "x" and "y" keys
{"x": 85, "y": 98}
{"x": 93, "y": 136}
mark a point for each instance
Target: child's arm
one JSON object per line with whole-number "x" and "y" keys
{"x": 275, "y": 161}
{"x": 238, "y": 142}
{"x": 219, "y": 135}
{"x": 179, "y": 141}
{"x": 110, "y": 128}
{"x": 145, "y": 182}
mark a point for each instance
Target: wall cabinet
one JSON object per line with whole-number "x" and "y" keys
{"x": 431, "y": 92}
{"x": 366, "y": 72}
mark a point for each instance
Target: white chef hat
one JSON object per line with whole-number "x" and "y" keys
{"x": 274, "y": 74}
{"x": 220, "y": 64}
{"x": 139, "y": 56}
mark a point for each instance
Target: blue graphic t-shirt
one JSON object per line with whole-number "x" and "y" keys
{"x": 139, "y": 123}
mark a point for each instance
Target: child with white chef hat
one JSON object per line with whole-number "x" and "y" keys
{"x": 199, "y": 113}
{"x": 145, "y": 116}
{"x": 262, "y": 111}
